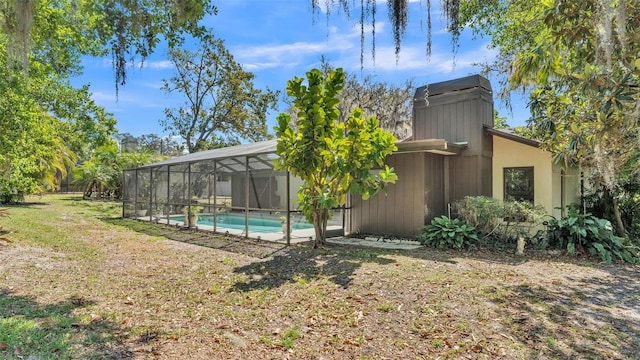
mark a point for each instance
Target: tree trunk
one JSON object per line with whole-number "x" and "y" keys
{"x": 617, "y": 216}
{"x": 320, "y": 218}
{"x": 610, "y": 196}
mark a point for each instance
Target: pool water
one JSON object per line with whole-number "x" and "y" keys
{"x": 261, "y": 225}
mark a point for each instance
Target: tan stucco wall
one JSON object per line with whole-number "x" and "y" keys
{"x": 547, "y": 176}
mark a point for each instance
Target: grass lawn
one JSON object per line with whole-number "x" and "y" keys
{"x": 78, "y": 282}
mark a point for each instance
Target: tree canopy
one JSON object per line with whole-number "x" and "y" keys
{"x": 57, "y": 33}
{"x": 221, "y": 106}
{"x": 331, "y": 157}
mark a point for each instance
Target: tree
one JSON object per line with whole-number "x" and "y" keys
{"x": 46, "y": 127}
{"x": 152, "y": 143}
{"x": 33, "y": 146}
{"x": 221, "y": 105}
{"x": 126, "y": 29}
{"x": 464, "y": 13}
{"x": 585, "y": 104}
{"x": 332, "y": 158}
{"x": 102, "y": 173}
{"x": 499, "y": 122}
{"x": 391, "y": 105}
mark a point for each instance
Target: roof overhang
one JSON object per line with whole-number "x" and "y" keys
{"x": 434, "y": 146}
{"x": 506, "y": 134}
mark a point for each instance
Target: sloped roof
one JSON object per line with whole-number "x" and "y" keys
{"x": 437, "y": 146}
{"x": 252, "y": 149}
{"x": 509, "y": 134}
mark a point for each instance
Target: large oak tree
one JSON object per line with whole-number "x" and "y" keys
{"x": 221, "y": 104}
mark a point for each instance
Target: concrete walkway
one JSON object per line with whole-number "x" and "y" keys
{"x": 376, "y": 242}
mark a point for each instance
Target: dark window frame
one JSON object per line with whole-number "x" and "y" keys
{"x": 525, "y": 190}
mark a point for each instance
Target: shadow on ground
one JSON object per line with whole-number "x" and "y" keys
{"x": 588, "y": 318}
{"x": 230, "y": 243}
{"x": 304, "y": 262}
{"x": 45, "y": 331}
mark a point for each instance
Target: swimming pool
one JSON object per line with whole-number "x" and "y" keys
{"x": 237, "y": 222}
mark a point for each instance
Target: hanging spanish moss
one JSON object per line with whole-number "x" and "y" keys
{"x": 399, "y": 18}
{"x": 428, "y": 29}
{"x": 17, "y": 16}
{"x": 367, "y": 9}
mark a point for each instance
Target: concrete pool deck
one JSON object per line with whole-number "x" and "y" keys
{"x": 306, "y": 235}
{"x": 377, "y": 242}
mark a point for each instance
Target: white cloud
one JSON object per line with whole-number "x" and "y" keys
{"x": 415, "y": 58}
{"x": 269, "y": 56}
{"x": 158, "y": 65}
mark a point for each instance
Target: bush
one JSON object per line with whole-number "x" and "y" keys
{"x": 504, "y": 220}
{"x": 591, "y": 233}
{"x": 444, "y": 232}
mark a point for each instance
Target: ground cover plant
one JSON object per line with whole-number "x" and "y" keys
{"x": 77, "y": 281}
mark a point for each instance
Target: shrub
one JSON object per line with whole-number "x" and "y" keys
{"x": 505, "y": 220}
{"x": 444, "y": 232}
{"x": 591, "y": 233}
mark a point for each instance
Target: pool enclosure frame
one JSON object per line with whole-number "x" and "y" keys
{"x": 214, "y": 183}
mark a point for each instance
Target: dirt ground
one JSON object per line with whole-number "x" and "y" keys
{"x": 146, "y": 292}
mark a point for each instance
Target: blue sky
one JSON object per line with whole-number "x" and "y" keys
{"x": 279, "y": 39}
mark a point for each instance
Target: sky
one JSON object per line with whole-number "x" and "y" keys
{"x": 280, "y": 39}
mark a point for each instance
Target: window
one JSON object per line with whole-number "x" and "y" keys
{"x": 518, "y": 183}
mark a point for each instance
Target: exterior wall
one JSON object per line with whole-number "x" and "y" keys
{"x": 401, "y": 212}
{"x": 460, "y": 117}
{"x": 469, "y": 176}
{"x": 434, "y": 187}
{"x": 547, "y": 182}
{"x": 571, "y": 193}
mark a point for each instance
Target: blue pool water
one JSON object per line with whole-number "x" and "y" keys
{"x": 260, "y": 225}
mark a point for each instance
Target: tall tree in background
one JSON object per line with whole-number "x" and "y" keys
{"x": 391, "y": 105}
{"x": 222, "y": 106}
{"x": 152, "y": 143}
{"x": 330, "y": 156}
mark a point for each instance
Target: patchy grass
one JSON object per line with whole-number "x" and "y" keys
{"x": 79, "y": 282}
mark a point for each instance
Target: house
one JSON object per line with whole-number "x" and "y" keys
{"x": 521, "y": 170}
{"x": 454, "y": 152}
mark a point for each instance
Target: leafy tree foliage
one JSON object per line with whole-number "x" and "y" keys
{"x": 149, "y": 144}
{"x": 101, "y": 175}
{"x": 154, "y": 144}
{"x": 221, "y": 105}
{"x": 32, "y": 142}
{"x": 391, "y": 105}
{"x": 46, "y": 127}
{"x": 331, "y": 157}
{"x": 57, "y": 33}
{"x": 499, "y": 122}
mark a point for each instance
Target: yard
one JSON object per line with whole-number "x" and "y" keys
{"x": 77, "y": 281}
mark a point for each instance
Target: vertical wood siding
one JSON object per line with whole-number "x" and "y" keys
{"x": 401, "y": 212}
